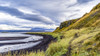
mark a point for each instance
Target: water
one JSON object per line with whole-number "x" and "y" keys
{"x": 17, "y": 41}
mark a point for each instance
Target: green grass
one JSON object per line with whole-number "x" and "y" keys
{"x": 89, "y": 41}
{"x": 55, "y": 35}
{"x": 96, "y": 7}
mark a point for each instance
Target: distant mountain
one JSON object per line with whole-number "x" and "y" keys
{"x": 41, "y": 30}
{"x": 32, "y": 30}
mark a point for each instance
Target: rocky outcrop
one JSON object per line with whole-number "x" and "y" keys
{"x": 66, "y": 24}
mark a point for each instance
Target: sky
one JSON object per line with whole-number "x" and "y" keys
{"x": 48, "y": 14}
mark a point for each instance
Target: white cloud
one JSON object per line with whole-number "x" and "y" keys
{"x": 6, "y": 19}
{"x": 4, "y": 3}
{"x": 83, "y": 8}
{"x": 10, "y": 27}
{"x": 28, "y": 11}
{"x": 39, "y": 25}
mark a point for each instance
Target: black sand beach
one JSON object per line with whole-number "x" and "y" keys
{"x": 42, "y": 46}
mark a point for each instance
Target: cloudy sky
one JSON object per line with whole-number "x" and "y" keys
{"x": 27, "y": 14}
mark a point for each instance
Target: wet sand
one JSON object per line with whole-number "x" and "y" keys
{"x": 11, "y": 38}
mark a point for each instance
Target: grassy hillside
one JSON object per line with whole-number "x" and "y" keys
{"x": 91, "y": 19}
{"x": 96, "y": 7}
{"x": 77, "y": 37}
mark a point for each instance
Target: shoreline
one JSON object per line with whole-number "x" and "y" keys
{"x": 40, "y": 47}
{"x": 45, "y": 42}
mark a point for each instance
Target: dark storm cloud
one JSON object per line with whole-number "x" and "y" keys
{"x": 11, "y": 11}
{"x": 19, "y": 14}
{"x": 84, "y": 1}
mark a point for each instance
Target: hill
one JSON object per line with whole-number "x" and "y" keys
{"x": 91, "y": 19}
{"x": 81, "y": 36}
